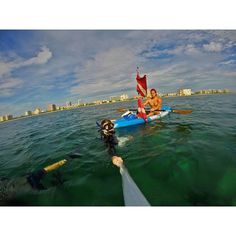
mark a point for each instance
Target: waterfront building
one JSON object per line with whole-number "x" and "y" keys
{"x": 28, "y": 113}
{"x": 98, "y": 102}
{"x": 68, "y": 104}
{"x": 205, "y": 91}
{"x": 8, "y": 117}
{"x": 2, "y": 118}
{"x": 212, "y": 91}
{"x": 52, "y": 107}
{"x": 114, "y": 98}
{"x": 37, "y": 111}
{"x": 124, "y": 97}
{"x": 184, "y": 92}
{"x": 171, "y": 94}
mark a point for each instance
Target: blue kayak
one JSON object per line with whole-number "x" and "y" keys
{"x": 131, "y": 119}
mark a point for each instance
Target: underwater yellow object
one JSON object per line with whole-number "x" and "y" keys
{"x": 55, "y": 165}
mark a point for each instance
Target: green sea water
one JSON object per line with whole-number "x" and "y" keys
{"x": 181, "y": 160}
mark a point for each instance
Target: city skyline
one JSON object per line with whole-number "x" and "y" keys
{"x": 58, "y": 66}
{"x": 67, "y": 104}
{"x": 117, "y": 98}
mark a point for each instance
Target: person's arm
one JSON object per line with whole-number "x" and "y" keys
{"x": 146, "y": 103}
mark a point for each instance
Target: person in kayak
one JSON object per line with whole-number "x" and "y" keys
{"x": 155, "y": 102}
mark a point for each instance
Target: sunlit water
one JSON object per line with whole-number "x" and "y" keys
{"x": 180, "y": 160}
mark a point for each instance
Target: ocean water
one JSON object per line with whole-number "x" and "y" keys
{"x": 181, "y": 160}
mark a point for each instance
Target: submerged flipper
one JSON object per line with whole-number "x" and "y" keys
{"x": 35, "y": 178}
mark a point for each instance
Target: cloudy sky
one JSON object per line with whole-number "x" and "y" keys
{"x": 42, "y": 67}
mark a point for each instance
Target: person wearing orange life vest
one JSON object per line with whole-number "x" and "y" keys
{"x": 155, "y": 102}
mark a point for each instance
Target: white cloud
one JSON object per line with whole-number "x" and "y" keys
{"x": 41, "y": 58}
{"x": 213, "y": 47}
{"x": 5, "y": 68}
{"x": 179, "y": 50}
{"x": 230, "y": 74}
{"x": 10, "y": 83}
{"x": 114, "y": 69}
{"x": 6, "y": 92}
{"x": 8, "y": 86}
{"x": 107, "y": 71}
{"x": 228, "y": 62}
{"x": 191, "y": 49}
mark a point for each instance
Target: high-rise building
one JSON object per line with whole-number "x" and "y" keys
{"x": 28, "y": 113}
{"x": 52, "y": 107}
{"x": 171, "y": 94}
{"x": 184, "y": 92}
{"x": 68, "y": 104}
{"x": 114, "y": 98}
{"x": 2, "y": 118}
{"x": 8, "y": 117}
{"x": 98, "y": 102}
{"x": 37, "y": 111}
{"x": 124, "y": 97}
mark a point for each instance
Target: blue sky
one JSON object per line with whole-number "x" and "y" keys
{"x": 42, "y": 67}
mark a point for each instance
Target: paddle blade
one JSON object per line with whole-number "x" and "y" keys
{"x": 182, "y": 112}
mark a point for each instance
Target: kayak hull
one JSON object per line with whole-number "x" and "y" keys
{"x": 122, "y": 122}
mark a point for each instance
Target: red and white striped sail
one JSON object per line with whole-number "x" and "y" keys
{"x": 141, "y": 110}
{"x": 141, "y": 85}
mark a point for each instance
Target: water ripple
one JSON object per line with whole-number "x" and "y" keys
{"x": 180, "y": 160}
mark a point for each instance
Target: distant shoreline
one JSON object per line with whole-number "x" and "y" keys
{"x": 198, "y": 95}
{"x": 92, "y": 105}
{"x": 49, "y": 112}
